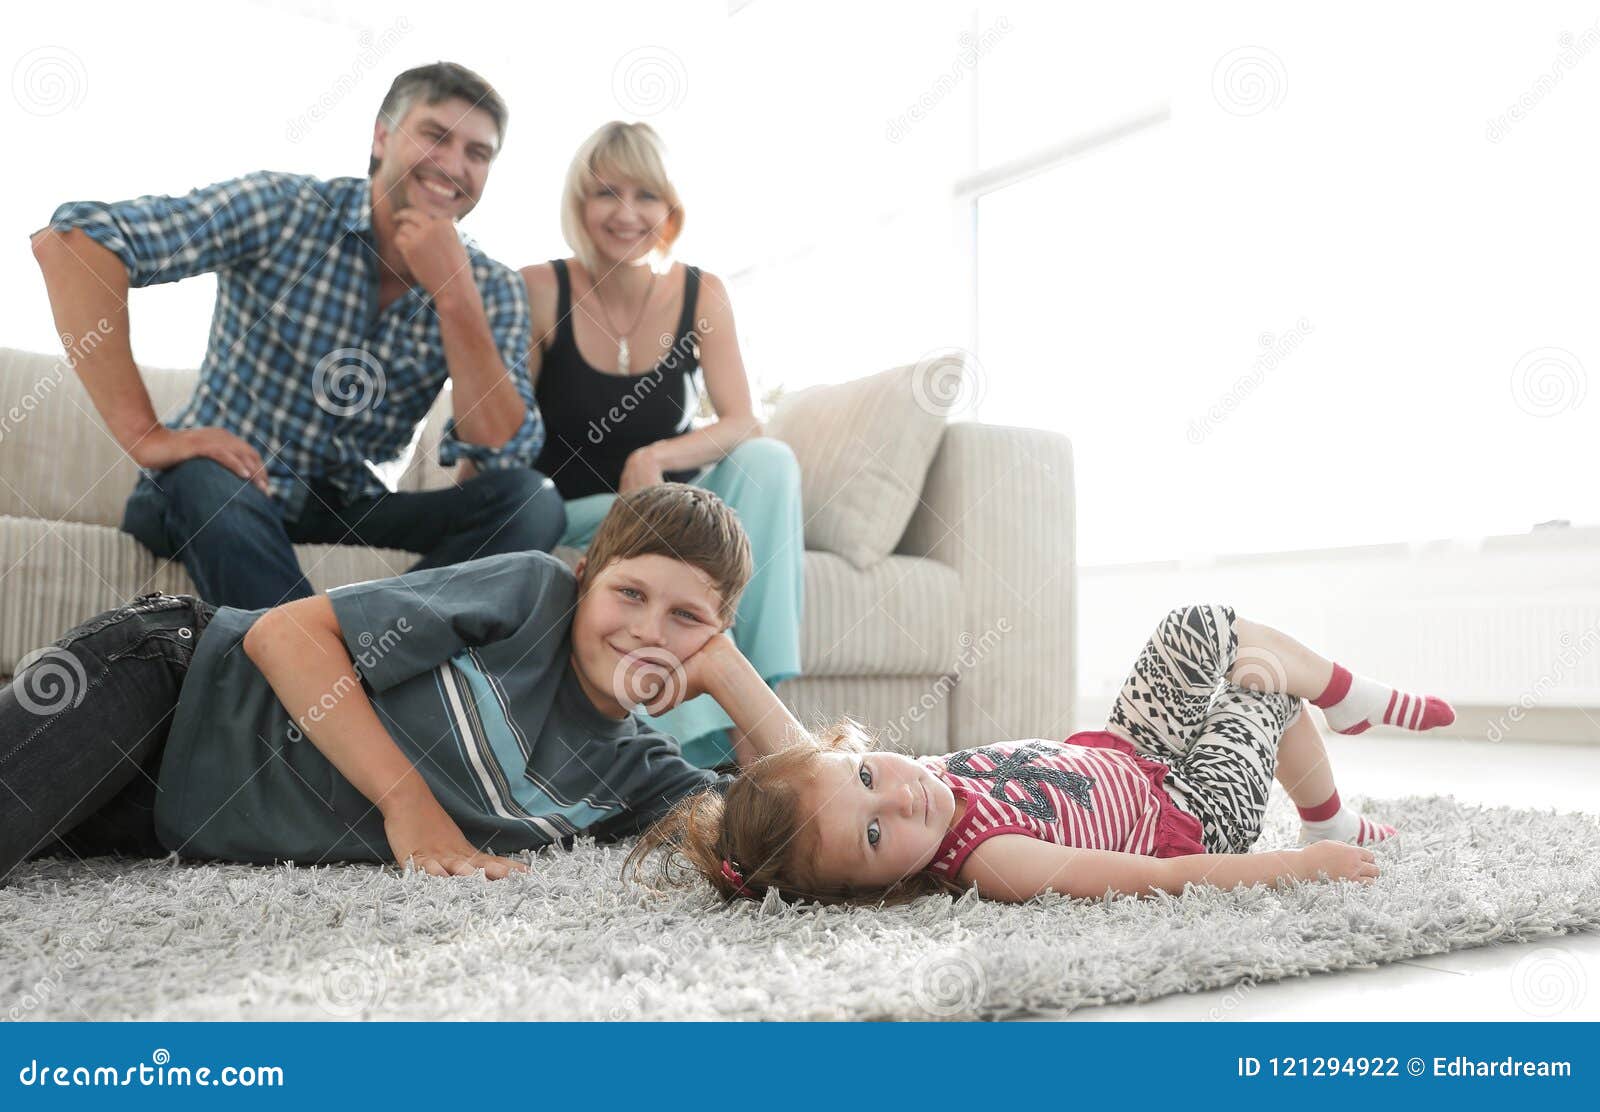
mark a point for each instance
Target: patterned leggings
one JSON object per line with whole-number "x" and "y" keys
{"x": 1220, "y": 740}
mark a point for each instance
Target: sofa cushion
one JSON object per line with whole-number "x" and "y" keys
{"x": 900, "y": 617}
{"x": 909, "y": 714}
{"x": 58, "y": 458}
{"x": 60, "y": 573}
{"x": 864, "y": 448}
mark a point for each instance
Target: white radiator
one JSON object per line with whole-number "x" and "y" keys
{"x": 1499, "y": 622}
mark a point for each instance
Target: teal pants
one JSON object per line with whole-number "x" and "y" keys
{"x": 760, "y": 481}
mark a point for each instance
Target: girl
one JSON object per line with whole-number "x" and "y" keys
{"x": 622, "y": 332}
{"x": 1171, "y": 792}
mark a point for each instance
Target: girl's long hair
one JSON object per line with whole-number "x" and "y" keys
{"x": 760, "y": 830}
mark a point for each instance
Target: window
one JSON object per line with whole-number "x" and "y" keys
{"x": 1357, "y": 310}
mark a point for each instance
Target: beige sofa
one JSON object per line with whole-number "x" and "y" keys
{"x": 963, "y": 634}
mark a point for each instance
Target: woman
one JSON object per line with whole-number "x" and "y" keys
{"x": 620, "y": 330}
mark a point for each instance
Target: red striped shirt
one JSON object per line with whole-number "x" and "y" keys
{"x": 1092, "y": 791}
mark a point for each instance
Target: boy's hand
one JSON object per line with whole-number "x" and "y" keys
{"x": 1338, "y": 860}
{"x": 431, "y": 840}
{"x": 661, "y": 682}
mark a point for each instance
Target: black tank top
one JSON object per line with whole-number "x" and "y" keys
{"x": 593, "y": 420}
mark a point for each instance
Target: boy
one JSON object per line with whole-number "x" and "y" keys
{"x": 445, "y": 717}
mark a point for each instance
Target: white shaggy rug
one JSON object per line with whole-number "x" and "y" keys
{"x": 111, "y": 939}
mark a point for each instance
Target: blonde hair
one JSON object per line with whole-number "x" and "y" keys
{"x": 759, "y": 828}
{"x": 632, "y": 152}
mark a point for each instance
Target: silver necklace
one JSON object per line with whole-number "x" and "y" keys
{"x": 623, "y": 361}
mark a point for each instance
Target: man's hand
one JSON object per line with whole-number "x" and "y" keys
{"x": 424, "y": 833}
{"x": 640, "y": 471}
{"x": 162, "y": 448}
{"x": 432, "y": 249}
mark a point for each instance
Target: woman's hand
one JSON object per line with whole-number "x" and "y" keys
{"x": 1338, "y": 860}
{"x": 640, "y": 471}
{"x": 427, "y": 836}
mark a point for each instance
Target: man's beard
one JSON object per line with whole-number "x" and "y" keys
{"x": 398, "y": 194}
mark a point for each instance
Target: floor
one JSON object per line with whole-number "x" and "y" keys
{"x": 1555, "y": 979}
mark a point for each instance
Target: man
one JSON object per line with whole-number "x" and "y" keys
{"x": 343, "y": 306}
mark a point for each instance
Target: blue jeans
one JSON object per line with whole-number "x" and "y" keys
{"x": 239, "y": 549}
{"x": 82, "y": 729}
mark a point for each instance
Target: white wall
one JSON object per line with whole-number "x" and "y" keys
{"x": 1356, "y": 185}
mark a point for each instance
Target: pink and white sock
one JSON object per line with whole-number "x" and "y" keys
{"x": 1353, "y": 704}
{"x": 1333, "y": 820}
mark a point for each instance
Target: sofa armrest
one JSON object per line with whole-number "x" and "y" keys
{"x": 998, "y": 507}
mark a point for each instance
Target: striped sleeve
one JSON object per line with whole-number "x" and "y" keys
{"x": 505, "y": 303}
{"x": 168, "y": 238}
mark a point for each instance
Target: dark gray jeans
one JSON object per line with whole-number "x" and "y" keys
{"x": 239, "y": 550}
{"x": 82, "y": 728}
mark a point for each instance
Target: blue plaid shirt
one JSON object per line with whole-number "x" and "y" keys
{"x": 301, "y": 363}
